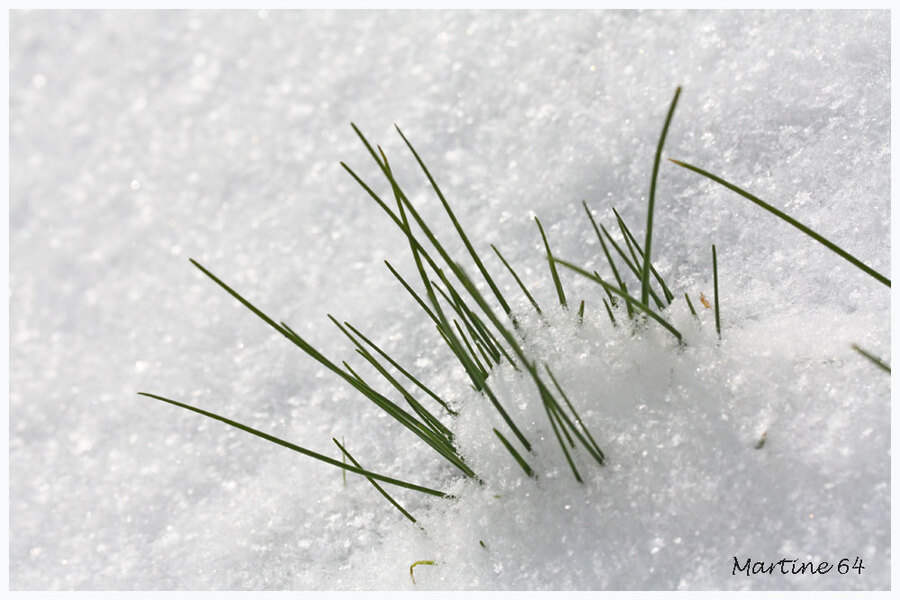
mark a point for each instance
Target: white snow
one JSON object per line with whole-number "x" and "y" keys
{"x": 138, "y": 140}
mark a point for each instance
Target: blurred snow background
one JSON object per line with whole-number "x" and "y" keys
{"x": 139, "y": 139}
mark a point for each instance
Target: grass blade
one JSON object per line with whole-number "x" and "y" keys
{"x": 525, "y": 466}
{"x": 691, "y": 306}
{"x": 459, "y": 229}
{"x": 412, "y": 293}
{"x": 546, "y": 396}
{"x": 609, "y": 311}
{"x": 716, "y": 291}
{"x": 300, "y": 449}
{"x": 574, "y": 412}
{"x": 553, "y": 417}
{"x": 645, "y": 281}
{"x": 373, "y": 482}
{"x": 631, "y": 266}
{"x": 609, "y": 259}
{"x": 397, "y": 366}
{"x": 519, "y": 281}
{"x": 878, "y": 362}
{"x": 553, "y": 272}
{"x": 630, "y": 239}
{"x": 791, "y": 221}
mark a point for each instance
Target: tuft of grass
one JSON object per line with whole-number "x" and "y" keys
{"x": 481, "y": 338}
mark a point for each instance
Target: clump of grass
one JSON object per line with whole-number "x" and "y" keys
{"x": 480, "y": 337}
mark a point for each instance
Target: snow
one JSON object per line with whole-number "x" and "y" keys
{"x": 139, "y": 139}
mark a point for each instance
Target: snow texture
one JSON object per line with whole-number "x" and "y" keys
{"x": 140, "y": 139}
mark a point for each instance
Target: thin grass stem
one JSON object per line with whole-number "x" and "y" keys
{"x": 459, "y": 229}
{"x": 691, "y": 306}
{"x": 522, "y": 463}
{"x": 374, "y": 483}
{"x": 716, "y": 291}
{"x": 553, "y": 272}
{"x": 877, "y": 361}
{"x": 791, "y": 221}
{"x": 645, "y": 281}
{"x": 629, "y": 237}
{"x": 519, "y": 281}
{"x": 300, "y": 449}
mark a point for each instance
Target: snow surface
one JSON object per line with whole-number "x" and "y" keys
{"x": 141, "y": 139}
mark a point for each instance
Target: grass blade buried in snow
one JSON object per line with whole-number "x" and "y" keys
{"x": 300, "y": 449}
{"x": 791, "y": 221}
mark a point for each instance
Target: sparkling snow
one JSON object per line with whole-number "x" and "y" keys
{"x": 139, "y": 140}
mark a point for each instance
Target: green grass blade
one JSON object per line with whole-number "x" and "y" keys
{"x": 459, "y": 229}
{"x": 472, "y": 353}
{"x": 631, "y": 266}
{"x": 581, "y": 312}
{"x": 469, "y": 319}
{"x": 429, "y": 420}
{"x": 519, "y": 281}
{"x": 631, "y": 247}
{"x": 373, "y": 482}
{"x": 412, "y": 293}
{"x": 397, "y": 366}
{"x": 404, "y": 418}
{"x": 300, "y": 449}
{"x": 522, "y": 463}
{"x": 552, "y": 416}
{"x": 553, "y": 272}
{"x": 645, "y": 282}
{"x": 878, "y": 362}
{"x": 791, "y": 221}
{"x": 716, "y": 291}
{"x": 612, "y": 263}
{"x": 691, "y": 306}
{"x": 609, "y": 311}
{"x": 444, "y": 325}
{"x": 344, "y": 471}
{"x": 574, "y": 412}
{"x": 640, "y": 259}
{"x": 644, "y": 308}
